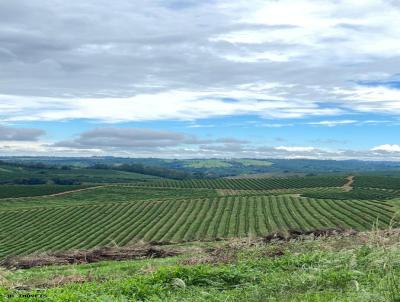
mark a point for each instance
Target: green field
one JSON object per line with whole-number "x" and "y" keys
{"x": 253, "y": 162}
{"x": 357, "y": 193}
{"x": 252, "y": 183}
{"x": 97, "y": 218}
{"x": 105, "y": 195}
{"x": 382, "y": 182}
{"x": 207, "y": 163}
{"x": 218, "y": 163}
{"x": 196, "y": 216}
{"x": 180, "y": 211}
{"x": 10, "y": 173}
{"x": 14, "y": 191}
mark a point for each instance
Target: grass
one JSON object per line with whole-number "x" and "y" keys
{"x": 363, "y": 267}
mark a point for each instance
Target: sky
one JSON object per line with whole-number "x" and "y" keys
{"x": 201, "y": 79}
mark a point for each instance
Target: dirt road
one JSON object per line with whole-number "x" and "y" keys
{"x": 348, "y": 186}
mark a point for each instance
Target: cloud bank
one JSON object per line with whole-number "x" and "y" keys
{"x": 141, "y": 142}
{"x": 20, "y": 134}
{"x": 186, "y": 60}
{"x": 292, "y": 63}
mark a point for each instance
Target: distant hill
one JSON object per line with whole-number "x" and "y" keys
{"x": 200, "y": 168}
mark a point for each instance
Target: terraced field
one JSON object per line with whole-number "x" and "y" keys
{"x": 29, "y": 230}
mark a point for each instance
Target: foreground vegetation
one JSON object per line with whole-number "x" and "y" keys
{"x": 346, "y": 267}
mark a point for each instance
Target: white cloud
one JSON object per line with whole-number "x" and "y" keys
{"x": 133, "y": 61}
{"x": 260, "y": 56}
{"x": 333, "y": 123}
{"x": 130, "y": 142}
{"x": 282, "y": 59}
{"x": 182, "y": 105}
{"x": 295, "y": 149}
{"x": 376, "y": 94}
{"x": 387, "y": 148}
{"x": 275, "y": 125}
{"x": 321, "y": 27}
{"x": 370, "y": 99}
{"x": 20, "y": 147}
{"x": 201, "y": 126}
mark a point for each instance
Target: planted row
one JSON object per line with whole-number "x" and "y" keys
{"x": 25, "y": 231}
{"x": 382, "y": 182}
{"x": 357, "y": 193}
{"x": 12, "y": 191}
{"x": 252, "y": 183}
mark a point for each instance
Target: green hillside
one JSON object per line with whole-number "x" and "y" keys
{"x": 192, "y": 211}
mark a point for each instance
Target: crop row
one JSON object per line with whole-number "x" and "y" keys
{"x": 382, "y": 182}
{"x": 12, "y": 191}
{"x": 107, "y": 194}
{"x": 252, "y": 183}
{"x": 323, "y": 190}
{"x": 357, "y": 193}
{"x": 78, "y": 227}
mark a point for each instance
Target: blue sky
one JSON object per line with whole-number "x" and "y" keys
{"x": 275, "y": 78}
{"x": 352, "y": 133}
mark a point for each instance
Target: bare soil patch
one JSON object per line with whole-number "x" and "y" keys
{"x": 87, "y": 256}
{"x": 295, "y": 234}
{"x": 348, "y": 186}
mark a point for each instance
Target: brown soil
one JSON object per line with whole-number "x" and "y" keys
{"x": 295, "y": 234}
{"x": 87, "y": 256}
{"x": 225, "y": 254}
{"x": 348, "y": 186}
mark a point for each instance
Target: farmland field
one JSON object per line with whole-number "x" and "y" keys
{"x": 382, "y": 182}
{"x": 13, "y": 191}
{"x": 11, "y": 173}
{"x": 252, "y": 183}
{"x": 78, "y": 227}
{"x": 194, "y": 217}
{"x": 357, "y": 193}
{"x": 210, "y": 163}
{"x": 177, "y": 211}
{"x": 254, "y": 162}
